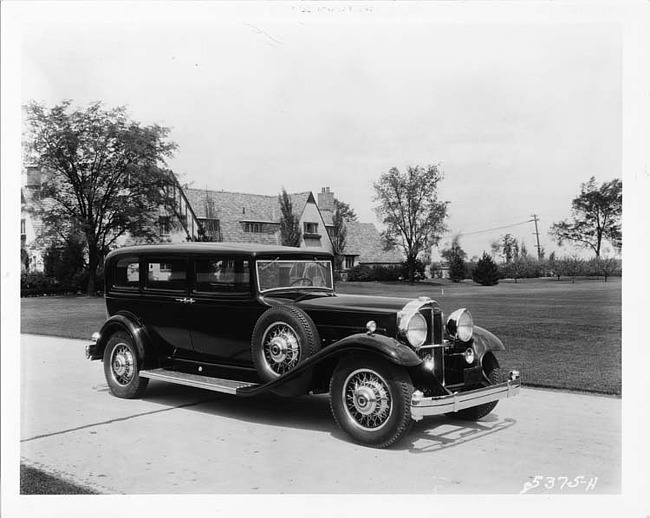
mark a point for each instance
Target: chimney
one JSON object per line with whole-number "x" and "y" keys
{"x": 326, "y": 199}
{"x": 33, "y": 176}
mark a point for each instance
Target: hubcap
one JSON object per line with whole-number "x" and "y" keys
{"x": 367, "y": 400}
{"x": 281, "y": 348}
{"x": 122, "y": 364}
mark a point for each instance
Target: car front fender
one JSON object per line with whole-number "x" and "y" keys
{"x": 485, "y": 341}
{"x": 361, "y": 343}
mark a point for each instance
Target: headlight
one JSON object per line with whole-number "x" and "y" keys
{"x": 460, "y": 325}
{"x": 414, "y": 328}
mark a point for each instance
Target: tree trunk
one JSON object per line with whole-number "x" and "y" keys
{"x": 90, "y": 290}
{"x": 93, "y": 263}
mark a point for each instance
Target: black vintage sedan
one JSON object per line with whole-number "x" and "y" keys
{"x": 247, "y": 319}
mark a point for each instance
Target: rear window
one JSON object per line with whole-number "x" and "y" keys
{"x": 166, "y": 274}
{"x": 127, "y": 273}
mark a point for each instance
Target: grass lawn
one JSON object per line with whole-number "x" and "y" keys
{"x": 559, "y": 334}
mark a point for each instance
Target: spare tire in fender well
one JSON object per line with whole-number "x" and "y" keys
{"x": 283, "y": 337}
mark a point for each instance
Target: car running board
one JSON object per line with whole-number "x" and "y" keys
{"x": 194, "y": 380}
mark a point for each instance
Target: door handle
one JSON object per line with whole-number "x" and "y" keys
{"x": 185, "y": 300}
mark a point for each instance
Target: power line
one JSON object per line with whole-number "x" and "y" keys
{"x": 487, "y": 230}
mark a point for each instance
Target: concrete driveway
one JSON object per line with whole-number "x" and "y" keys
{"x": 183, "y": 440}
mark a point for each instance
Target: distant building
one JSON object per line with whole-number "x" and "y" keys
{"x": 223, "y": 216}
{"x": 255, "y": 218}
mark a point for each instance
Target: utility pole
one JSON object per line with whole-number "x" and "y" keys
{"x": 536, "y": 234}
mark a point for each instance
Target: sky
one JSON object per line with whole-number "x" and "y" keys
{"x": 517, "y": 115}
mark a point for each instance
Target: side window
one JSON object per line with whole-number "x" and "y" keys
{"x": 127, "y": 273}
{"x": 166, "y": 273}
{"x": 222, "y": 275}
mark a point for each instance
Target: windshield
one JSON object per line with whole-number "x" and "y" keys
{"x": 277, "y": 274}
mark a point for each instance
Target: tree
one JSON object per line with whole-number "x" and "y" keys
{"x": 103, "y": 175}
{"x": 457, "y": 268}
{"x": 507, "y": 247}
{"x": 347, "y": 212}
{"x": 289, "y": 223}
{"x": 338, "y": 236}
{"x": 455, "y": 257}
{"x": 486, "y": 272}
{"x": 409, "y": 207}
{"x": 596, "y": 213}
{"x": 454, "y": 250}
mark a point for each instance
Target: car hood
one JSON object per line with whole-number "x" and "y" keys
{"x": 354, "y": 303}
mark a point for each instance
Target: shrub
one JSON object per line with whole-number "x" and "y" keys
{"x": 457, "y": 269}
{"x": 360, "y": 273}
{"x": 419, "y": 270}
{"x": 486, "y": 272}
{"x": 365, "y": 273}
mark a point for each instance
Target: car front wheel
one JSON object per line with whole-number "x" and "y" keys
{"x": 370, "y": 400}
{"x": 121, "y": 367}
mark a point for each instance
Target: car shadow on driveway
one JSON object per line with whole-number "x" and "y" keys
{"x": 313, "y": 413}
{"x": 442, "y": 432}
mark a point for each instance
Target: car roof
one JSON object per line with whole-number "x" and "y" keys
{"x": 248, "y": 249}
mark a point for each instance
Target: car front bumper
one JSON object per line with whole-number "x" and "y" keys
{"x": 425, "y": 406}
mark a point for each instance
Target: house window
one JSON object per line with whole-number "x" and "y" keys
{"x": 164, "y": 225}
{"x": 257, "y": 228}
{"x": 311, "y": 228}
{"x": 349, "y": 261}
{"x": 22, "y": 227}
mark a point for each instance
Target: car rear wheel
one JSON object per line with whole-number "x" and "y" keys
{"x": 122, "y": 367}
{"x": 371, "y": 401}
{"x": 491, "y": 371}
{"x": 284, "y": 337}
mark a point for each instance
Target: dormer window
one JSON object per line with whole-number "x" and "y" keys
{"x": 311, "y": 228}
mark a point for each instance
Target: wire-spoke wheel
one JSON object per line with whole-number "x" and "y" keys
{"x": 371, "y": 400}
{"x": 367, "y": 399}
{"x": 281, "y": 347}
{"x": 121, "y": 367}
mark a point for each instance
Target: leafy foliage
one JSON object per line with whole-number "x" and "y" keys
{"x": 486, "y": 272}
{"x": 411, "y": 211}
{"x": 347, "y": 212}
{"x": 338, "y": 236}
{"x": 455, "y": 257}
{"x": 289, "y": 223}
{"x": 103, "y": 175}
{"x": 457, "y": 268}
{"x": 365, "y": 273}
{"x": 596, "y": 213}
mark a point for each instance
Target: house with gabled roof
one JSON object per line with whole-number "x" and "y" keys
{"x": 255, "y": 218}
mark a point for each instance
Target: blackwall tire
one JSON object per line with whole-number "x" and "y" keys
{"x": 122, "y": 367}
{"x": 284, "y": 337}
{"x": 371, "y": 400}
{"x": 491, "y": 370}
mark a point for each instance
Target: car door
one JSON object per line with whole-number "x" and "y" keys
{"x": 164, "y": 303}
{"x": 225, "y": 310}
